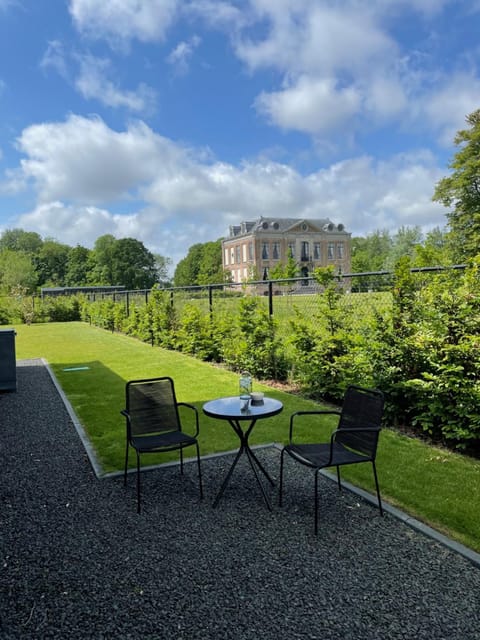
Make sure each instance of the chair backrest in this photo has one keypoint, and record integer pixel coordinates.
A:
(152, 406)
(362, 408)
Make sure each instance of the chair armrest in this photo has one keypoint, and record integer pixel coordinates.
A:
(308, 413)
(195, 410)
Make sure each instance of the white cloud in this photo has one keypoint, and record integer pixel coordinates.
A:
(73, 224)
(216, 13)
(55, 58)
(313, 106)
(81, 169)
(121, 22)
(447, 105)
(180, 56)
(339, 66)
(93, 82)
(82, 159)
(311, 38)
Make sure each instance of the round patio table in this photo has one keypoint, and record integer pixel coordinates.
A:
(242, 422)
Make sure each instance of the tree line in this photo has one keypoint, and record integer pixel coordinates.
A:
(27, 261)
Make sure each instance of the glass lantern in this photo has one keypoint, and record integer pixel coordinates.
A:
(245, 384)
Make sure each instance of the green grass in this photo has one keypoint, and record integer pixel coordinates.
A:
(436, 486)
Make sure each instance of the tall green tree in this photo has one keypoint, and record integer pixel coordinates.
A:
(434, 251)
(404, 243)
(211, 269)
(133, 265)
(17, 270)
(187, 270)
(101, 260)
(19, 240)
(51, 263)
(162, 266)
(78, 267)
(371, 253)
(460, 191)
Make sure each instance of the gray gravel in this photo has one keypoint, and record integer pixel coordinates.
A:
(77, 561)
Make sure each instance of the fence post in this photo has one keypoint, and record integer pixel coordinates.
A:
(210, 298)
(128, 304)
(270, 298)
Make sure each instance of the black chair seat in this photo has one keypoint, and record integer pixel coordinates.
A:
(318, 455)
(162, 442)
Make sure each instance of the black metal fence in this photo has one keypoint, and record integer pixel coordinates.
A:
(364, 292)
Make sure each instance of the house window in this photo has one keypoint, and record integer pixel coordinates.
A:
(276, 251)
(250, 250)
(265, 250)
(237, 254)
(226, 257)
(305, 252)
(316, 251)
(331, 251)
(232, 256)
(244, 252)
(291, 249)
(340, 250)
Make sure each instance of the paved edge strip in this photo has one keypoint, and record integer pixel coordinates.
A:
(419, 526)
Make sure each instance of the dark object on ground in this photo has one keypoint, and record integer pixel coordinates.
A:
(354, 441)
(153, 423)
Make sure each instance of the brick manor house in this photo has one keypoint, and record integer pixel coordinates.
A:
(258, 246)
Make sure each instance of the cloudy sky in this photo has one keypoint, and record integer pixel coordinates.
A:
(169, 120)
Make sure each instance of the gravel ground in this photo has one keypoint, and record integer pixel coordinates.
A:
(78, 562)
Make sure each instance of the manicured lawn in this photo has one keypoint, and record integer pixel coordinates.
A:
(438, 487)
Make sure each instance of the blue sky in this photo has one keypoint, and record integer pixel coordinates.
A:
(169, 120)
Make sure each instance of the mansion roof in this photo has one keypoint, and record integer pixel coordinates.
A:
(285, 225)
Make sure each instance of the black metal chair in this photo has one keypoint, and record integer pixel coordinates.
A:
(154, 425)
(354, 441)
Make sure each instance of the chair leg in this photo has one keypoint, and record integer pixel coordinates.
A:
(126, 466)
(280, 486)
(339, 482)
(181, 460)
(199, 472)
(316, 501)
(377, 487)
(138, 483)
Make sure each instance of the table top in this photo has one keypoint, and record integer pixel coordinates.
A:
(230, 408)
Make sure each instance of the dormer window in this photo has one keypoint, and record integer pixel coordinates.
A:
(304, 227)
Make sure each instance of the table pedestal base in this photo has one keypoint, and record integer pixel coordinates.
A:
(252, 459)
